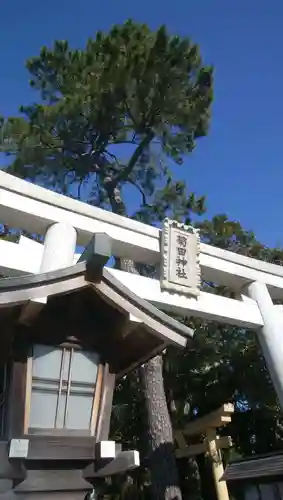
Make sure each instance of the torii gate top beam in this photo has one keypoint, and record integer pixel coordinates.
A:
(214, 420)
(34, 208)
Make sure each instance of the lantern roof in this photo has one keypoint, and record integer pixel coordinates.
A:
(86, 301)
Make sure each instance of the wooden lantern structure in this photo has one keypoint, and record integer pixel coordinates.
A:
(66, 335)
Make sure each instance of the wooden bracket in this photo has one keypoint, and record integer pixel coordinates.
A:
(124, 461)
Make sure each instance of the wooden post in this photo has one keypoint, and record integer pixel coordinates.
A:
(217, 465)
(211, 445)
(192, 450)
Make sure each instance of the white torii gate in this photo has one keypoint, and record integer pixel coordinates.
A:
(66, 223)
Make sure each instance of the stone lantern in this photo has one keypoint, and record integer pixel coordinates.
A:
(66, 336)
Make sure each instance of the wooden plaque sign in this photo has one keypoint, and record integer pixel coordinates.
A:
(180, 248)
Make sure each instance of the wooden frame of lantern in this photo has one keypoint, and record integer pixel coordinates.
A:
(211, 445)
(68, 334)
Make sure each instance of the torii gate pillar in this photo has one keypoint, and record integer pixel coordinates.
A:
(270, 335)
(59, 247)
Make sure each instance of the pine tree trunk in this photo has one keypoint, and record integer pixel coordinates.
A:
(162, 461)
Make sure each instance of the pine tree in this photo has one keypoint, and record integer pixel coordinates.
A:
(113, 115)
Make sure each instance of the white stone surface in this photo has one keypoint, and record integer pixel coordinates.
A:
(59, 247)
(34, 208)
(270, 335)
(18, 259)
(207, 306)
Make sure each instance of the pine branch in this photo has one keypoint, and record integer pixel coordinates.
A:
(124, 174)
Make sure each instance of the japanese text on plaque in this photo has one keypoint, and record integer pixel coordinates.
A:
(181, 257)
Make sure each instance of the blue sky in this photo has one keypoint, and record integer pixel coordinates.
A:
(239, 166)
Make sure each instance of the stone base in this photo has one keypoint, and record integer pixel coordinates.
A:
(47, 485)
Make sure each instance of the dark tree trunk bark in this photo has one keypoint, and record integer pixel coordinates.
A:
(162, 461)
